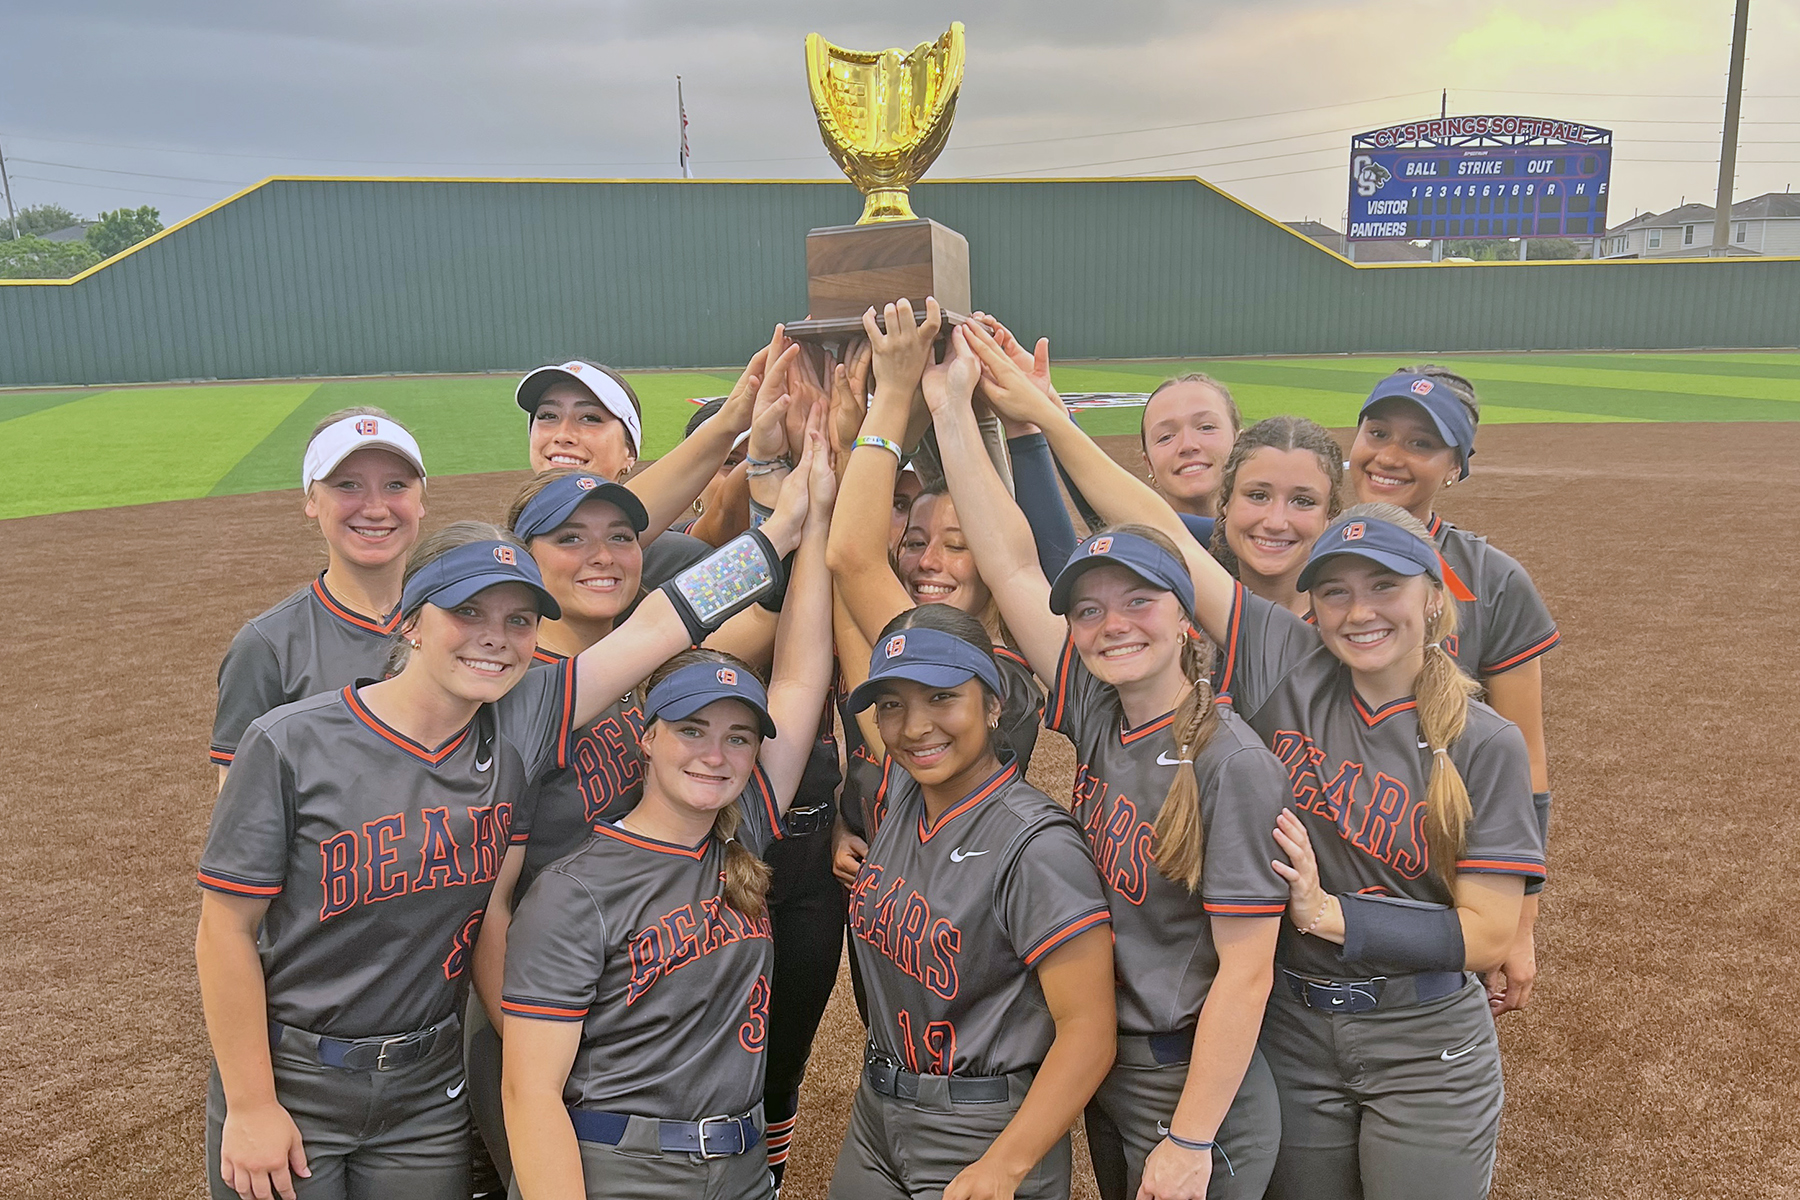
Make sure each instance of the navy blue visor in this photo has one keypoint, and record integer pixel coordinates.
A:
(928, 656)
(691, 688)
(456, 574)
(1447, 413)
(1380, 542)
(557, 501)
(1139, 555)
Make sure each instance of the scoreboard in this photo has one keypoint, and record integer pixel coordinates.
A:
(1479, 177)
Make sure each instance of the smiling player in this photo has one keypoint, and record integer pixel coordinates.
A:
(1414, 438)
(364, 482)
(1413, 839)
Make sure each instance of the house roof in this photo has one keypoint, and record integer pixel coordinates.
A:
(1769, 206)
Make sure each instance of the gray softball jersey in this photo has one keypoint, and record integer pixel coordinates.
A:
(581, 775)
(309, 643)
(950, 919)
(1507, 623)
(376, 855)
(1021, 715)
(1358, 775)
(632, 937)
(1162, 934)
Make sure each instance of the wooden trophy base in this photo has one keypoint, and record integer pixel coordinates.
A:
(850, 268)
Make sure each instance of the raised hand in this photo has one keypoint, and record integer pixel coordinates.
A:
(952, 382)
(900, 354)
(849, 398)
(807, 390)
(739, 409)
(1017, 394)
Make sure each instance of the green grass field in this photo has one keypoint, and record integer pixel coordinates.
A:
(176, 442)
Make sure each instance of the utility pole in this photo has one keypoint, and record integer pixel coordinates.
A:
(12, 218)
(1734, 103)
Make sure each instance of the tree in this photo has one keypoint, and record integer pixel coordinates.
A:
(1507, 249)
(36, 258)
(123, 229)
(41, 219)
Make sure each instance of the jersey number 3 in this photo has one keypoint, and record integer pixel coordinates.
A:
(753, 1034)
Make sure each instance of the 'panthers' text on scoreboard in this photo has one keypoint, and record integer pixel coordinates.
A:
(1480, 177)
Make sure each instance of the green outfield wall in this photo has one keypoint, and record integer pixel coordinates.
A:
(302, 277)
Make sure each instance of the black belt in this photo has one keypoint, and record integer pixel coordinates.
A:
(889, 1079)
(381, 1053)
(801, 821)
(1367, 995)
(709, 1137)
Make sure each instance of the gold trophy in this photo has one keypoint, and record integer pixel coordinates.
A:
(884, 117)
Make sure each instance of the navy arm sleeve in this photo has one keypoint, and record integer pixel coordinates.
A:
(1034, 487)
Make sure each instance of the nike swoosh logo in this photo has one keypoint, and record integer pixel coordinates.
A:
(958, 854)
(454, 1092)
(482, 766)
(1448, 1056)
(1163, 760)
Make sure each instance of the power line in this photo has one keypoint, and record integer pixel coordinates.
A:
(1616, 95)
(136, 191)
(38, 162)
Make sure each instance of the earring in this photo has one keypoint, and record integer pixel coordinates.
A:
(413, 642)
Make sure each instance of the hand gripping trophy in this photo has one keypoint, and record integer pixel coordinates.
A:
(884, 117)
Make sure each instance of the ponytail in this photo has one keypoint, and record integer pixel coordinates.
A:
(1180, 836)
(746, 876)
(1442, 694)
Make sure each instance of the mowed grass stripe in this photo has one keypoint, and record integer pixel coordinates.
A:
(1682, 382)
(18, 404)
(1652, 364)
(464, 425)
(170, 444)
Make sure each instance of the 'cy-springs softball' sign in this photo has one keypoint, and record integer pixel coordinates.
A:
(1480, 177)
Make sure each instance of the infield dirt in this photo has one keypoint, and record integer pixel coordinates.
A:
(1657, 1059)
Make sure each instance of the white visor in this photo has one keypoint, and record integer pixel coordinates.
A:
(600, 385)
(341, 439)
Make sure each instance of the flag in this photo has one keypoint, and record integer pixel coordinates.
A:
(687, 170)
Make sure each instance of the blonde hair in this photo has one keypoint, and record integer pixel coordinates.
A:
(1442, 693)
(1180, 833)
(457, 533)
(747, 877)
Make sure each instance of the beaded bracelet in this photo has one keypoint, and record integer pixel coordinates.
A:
(756, 468)
(887, 444)
(1323, 905)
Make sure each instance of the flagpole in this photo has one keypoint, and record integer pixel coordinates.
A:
(687, 170)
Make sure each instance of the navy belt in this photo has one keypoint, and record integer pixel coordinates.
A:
(709, 1137)
(891, 1079)
(381, 1053)
(801, 821)
(1367, 995)
(1155, 1049)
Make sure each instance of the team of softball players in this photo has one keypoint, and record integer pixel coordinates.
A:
(536, 842)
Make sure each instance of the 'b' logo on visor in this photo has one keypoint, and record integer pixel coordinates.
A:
(896, 645)
(368, 427)
(505, 554)
(1421, 387)
(586, 483)
(1354, 532)
(1100, 545)
(727, 676)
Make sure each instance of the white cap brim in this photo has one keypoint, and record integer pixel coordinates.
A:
(598, 383)
(340, 440)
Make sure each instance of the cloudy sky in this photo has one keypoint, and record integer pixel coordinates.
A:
(179, 103)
